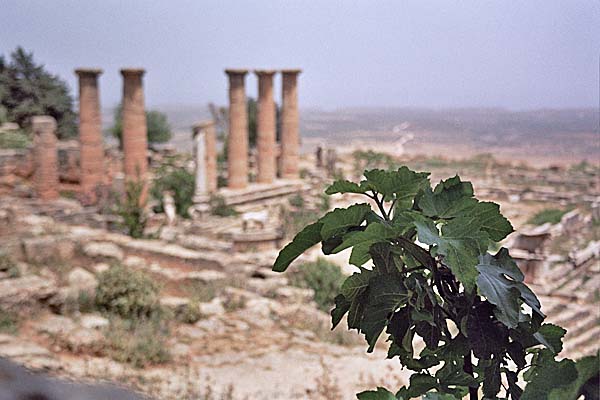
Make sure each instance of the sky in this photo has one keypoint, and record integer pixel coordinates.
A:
(471, 53)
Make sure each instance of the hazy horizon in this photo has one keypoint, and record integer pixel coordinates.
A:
(417, 54)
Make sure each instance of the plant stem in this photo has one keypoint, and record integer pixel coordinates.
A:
(468, 368)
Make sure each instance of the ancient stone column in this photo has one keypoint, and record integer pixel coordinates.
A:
(290, 136)
(91, 146)
(237, 140)
(267, 168)
(45, 157)
(135, 142)
(206, 159)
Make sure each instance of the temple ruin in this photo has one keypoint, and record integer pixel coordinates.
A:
(135, 141)
(91, 146)
(45, 157)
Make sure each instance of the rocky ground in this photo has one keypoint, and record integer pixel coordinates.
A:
(255, 336)
(255, 331)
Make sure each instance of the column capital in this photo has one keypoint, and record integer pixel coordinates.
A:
(132, 71)
(236, 71)
(265, 72)
(43, 122)
(88, 72)
(199, 126)
(291, 71)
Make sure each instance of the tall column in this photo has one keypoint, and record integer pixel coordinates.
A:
(237, 140)
(45, 157)
(290, 137)
(135, 142)
(267, 169)
(206, 159)
(90, 132)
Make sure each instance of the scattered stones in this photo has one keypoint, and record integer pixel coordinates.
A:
(25, 290)
(214, 307)
(93, 321)
(103, 250)
(295, 295)
(48, 249)
(80, 279)
(174, 303)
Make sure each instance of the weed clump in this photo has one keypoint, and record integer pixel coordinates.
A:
(322, 276)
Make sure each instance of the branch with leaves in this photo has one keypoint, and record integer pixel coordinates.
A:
(432, 277)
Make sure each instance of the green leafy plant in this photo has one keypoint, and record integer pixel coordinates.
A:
(219, 207)
(128, 293)
(131, 209)
(323, 277)
(432, 277)
(551, 215)
(177, 181)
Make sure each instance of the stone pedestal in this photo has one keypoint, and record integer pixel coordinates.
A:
(90, 133)
(45, 157)
(237, 140)
(135, 141)
(205, 143)
(267, 168)
(290, 136)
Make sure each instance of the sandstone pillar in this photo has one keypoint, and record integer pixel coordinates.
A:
(237, 140)
(135, 142)
(45, 157)
(90, 133)
(290, 137)
(206, 160)
(267, 168)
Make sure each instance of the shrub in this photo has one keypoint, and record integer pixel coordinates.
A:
(434, 277)
(139, 343)
(8, 265)
(189, 314)
(322, 276)
(551, 215)
(9, 322)
(219, 208)
(297, 200)
(14, 140)
(131, 209)
(178, 181)
(127, 293)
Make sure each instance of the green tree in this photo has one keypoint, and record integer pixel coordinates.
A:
(159, 130)
(27, 89)
(433, 277)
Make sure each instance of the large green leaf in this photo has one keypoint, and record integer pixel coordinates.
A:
(387, 293)
(304, 240)
(421, 384)
(501, 282)
(344, 186)
(356, 283)
(374, 233)
(547, 374)
(401, 185)
(342, 305)
(551, 336)
(588, 371)
(340, 219)
(492, 222)
(380, 394)
(461, 241)
(448, 199)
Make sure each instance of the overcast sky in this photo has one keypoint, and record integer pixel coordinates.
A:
(514, 54)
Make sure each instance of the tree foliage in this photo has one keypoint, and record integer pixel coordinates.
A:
(27, 89)
(433, 277)
(158, 128)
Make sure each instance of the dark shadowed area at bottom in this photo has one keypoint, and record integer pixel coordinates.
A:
(17, 383)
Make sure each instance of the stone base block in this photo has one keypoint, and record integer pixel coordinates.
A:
(263, 240)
